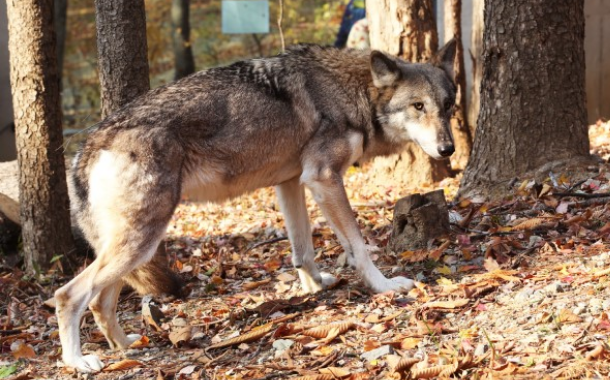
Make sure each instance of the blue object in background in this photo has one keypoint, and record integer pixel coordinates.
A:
(354, 11)
(245, 16)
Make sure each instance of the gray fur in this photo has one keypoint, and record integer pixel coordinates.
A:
(297, 119)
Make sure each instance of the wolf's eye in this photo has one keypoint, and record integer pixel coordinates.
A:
(418, 106)
(448, 106)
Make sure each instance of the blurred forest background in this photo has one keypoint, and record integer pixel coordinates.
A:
(312, 21)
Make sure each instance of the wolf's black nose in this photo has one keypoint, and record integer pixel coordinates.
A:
(446, 150)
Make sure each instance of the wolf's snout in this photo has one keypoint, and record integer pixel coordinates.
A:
(446, 150)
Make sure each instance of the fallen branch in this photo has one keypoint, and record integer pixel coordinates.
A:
(590, 202)
(271, 241)
(582, 195)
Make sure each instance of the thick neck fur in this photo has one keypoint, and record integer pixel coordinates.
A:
(352, 69)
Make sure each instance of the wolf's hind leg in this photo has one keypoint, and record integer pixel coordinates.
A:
(129, 206)
(103, 306)
(117, 258)
(291, 196)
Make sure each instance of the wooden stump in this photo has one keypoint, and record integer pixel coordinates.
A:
(418, 219)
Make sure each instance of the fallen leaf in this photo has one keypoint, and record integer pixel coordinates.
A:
(323, 331)
(567, 316)
(140, 343)
(255, 284)
(401, 364)
(180, 334)
(21, 350)
(446, 304)
(431, 372)
(316, 377)
(272, 265)
(371, 345)
(437, 253)
(255, 334)
(123, 365)
(335, 371)
(409, 343)
(187, 370)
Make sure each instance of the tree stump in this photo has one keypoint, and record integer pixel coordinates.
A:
(418, 219)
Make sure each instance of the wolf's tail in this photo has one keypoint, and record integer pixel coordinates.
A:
(155, 277)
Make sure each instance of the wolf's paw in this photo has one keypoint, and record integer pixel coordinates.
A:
(328, 280)
(311, 286)
(397, 284)
(85, 364)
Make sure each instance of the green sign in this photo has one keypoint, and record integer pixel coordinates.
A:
(245, 16)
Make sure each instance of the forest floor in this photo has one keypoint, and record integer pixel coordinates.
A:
(519, 290)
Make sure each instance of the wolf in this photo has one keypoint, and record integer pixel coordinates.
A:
(295, 120)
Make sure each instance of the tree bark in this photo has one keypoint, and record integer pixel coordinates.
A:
(533, 115)
(406, 28)
(181, 30)
(459, 121)
(122, 52)
(44, 203)
(60, 21)
(476, 55)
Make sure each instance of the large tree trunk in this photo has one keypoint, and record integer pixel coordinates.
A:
(476, 55)
(533, 115)
(122, 52)
(60, 21)
(44, 206)
(181, 30)
(459, 122)
(407, 29)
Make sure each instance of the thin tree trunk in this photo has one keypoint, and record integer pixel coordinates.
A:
(533, 117)
(459, 122)
(60, 20)
(122, 52)
(181, 30)
(407, 29)
(476, 55)
(44, 203)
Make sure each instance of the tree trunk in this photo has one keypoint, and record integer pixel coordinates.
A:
(44, 204)
(406, 28)
(60, 20)
(533, 98)
(181, 30)
(459, 121)
(476, 55)
(122, 52)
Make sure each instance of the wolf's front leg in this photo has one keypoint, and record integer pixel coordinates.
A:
(329, 192)
(291, 196)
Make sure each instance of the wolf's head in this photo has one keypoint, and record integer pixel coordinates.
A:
(415, 100)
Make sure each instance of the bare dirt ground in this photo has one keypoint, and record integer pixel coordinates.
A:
(519, 291)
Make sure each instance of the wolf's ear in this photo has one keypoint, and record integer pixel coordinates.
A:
(445, 58)
(384, 69)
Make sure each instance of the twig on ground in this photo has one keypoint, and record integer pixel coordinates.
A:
(590, 202)
(275, 375)
(584, 332)
(582, 195)
(271, 241)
